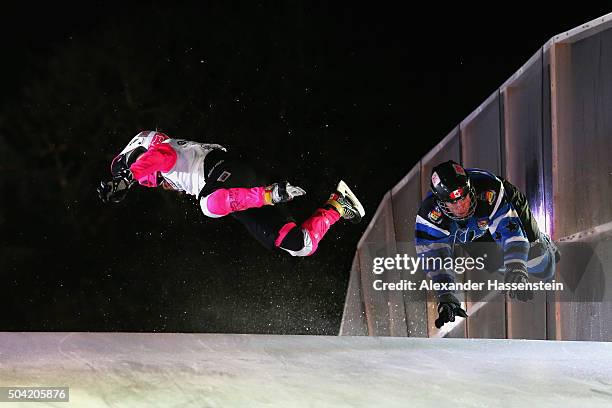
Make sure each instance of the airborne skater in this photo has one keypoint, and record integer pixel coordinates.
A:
(226, 184)
(470, 208)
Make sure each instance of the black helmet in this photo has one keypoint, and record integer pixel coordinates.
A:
(450, 183)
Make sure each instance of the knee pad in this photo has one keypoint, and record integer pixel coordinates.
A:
(541, 261)
(208, 203)
(294, 240)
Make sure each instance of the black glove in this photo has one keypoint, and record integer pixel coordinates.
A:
(116, 189)
(448, 308)
(517, 273)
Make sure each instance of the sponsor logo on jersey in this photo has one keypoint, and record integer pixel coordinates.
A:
(435, 216)
(489, 196)
(224, 176)
(158, 138)
(459, 170)
(483, 224)
(435, 179)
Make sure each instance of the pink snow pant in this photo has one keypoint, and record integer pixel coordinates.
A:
(302, 241)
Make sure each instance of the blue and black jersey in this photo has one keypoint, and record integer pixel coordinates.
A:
(501, 211)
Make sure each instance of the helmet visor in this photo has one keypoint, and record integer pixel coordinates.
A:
(461, 207)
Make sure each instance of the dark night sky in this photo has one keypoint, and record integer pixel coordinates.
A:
(315, 92)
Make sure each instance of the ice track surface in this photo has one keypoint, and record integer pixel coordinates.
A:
(217, 370)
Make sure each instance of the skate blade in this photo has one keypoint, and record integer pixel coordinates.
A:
(346, 191)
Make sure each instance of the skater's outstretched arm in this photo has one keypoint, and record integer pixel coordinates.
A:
(161, 157)
(224, 201)
(434, 243)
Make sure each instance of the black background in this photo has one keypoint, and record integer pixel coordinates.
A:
(316, 92)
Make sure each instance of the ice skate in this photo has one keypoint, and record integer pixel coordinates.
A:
(282, 193)
(346, 203)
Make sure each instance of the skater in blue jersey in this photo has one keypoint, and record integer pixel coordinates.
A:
(472, 207)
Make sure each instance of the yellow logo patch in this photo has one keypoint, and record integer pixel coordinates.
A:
(490, 196)
(435, 215)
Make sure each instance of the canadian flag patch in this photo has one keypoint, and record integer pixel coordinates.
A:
(458, 193)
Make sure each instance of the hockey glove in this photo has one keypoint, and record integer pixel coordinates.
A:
(116, 190)
(282, 192)
(517, 273)
(448, 308)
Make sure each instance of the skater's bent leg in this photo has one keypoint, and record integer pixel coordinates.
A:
(318, 225)
(294, 240)
(541, 262)
(304, 241)
(224, 201)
